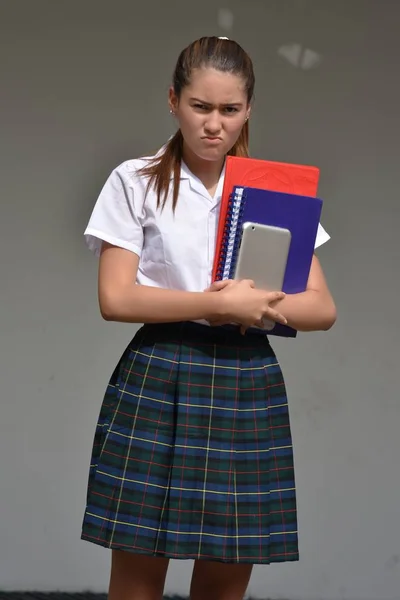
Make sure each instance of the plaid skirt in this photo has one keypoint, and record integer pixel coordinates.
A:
(192, 456)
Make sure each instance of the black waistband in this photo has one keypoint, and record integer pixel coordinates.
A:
(222, 334)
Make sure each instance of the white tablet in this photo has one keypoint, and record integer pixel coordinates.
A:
(262, 257)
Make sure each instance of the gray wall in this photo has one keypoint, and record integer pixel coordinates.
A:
(83, 87)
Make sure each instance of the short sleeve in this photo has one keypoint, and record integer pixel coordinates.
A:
(322, 236)
(117, 215)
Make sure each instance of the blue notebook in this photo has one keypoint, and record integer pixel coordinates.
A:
(299, 214)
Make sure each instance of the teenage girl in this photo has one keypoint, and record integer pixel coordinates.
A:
(192, 457)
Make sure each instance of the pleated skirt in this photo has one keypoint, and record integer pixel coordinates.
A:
(192, 455)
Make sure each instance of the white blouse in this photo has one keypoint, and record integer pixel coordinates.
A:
(176, 250)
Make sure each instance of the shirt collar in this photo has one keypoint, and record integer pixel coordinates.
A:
(195, 183)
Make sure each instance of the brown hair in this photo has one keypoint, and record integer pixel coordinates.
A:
(220, 54)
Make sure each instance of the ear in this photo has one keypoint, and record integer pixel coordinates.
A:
(248, 112)
(172, 100)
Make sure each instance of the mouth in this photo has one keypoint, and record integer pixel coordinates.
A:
(210, 138)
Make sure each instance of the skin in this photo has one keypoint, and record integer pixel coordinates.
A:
(214, 105)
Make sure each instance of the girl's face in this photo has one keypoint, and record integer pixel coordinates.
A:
(211, 112)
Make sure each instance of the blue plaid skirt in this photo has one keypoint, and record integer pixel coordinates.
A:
(192, 456)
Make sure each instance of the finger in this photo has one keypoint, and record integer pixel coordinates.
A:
(218, 285)
(277, 296)
(278, 318)
(249, 282)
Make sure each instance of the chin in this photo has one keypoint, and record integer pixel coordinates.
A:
(212, 154)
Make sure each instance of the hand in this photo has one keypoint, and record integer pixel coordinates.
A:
(217, 286)
(248, 306)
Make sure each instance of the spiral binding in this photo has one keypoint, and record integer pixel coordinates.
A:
(232, 236)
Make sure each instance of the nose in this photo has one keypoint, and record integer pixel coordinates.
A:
(212, 125)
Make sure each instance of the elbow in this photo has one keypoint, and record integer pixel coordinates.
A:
(108, 307)
(329, 317)
(120, 307)
(107, 314)
(323, 318)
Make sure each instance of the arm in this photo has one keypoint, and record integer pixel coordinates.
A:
(120, 299)
(312, 310)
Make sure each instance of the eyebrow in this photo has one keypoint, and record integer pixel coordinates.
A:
(238, 104)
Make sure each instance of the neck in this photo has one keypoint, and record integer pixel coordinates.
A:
(208, 171)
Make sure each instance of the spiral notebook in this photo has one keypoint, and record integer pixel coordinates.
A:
(299, 214)
(266, 175)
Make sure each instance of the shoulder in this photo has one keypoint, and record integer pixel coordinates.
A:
(129, 172)
(118, 214)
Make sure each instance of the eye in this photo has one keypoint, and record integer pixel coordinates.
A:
(231, 109)
(200, 106)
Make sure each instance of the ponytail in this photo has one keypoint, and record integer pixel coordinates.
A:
(241, 148)
(160, 169)
(217, 53)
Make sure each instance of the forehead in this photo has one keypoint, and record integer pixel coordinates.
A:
(216, 87)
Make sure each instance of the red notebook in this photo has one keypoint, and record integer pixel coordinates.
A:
(301, 180)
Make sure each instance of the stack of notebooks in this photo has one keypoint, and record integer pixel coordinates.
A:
(269, 193)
